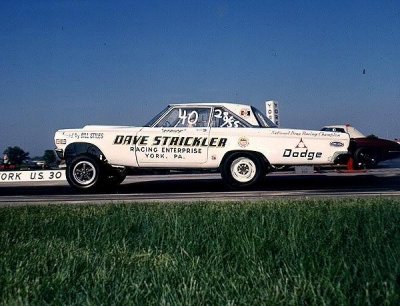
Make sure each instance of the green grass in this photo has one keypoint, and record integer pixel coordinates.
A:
(281, 253)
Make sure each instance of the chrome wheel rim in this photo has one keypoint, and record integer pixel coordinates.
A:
(243, 169)
(84, 173)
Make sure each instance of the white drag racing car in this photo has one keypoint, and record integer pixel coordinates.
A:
(238, 140)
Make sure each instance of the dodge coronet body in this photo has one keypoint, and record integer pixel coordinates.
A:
(238, 140)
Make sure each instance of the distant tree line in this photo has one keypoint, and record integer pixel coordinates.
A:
(17, 156)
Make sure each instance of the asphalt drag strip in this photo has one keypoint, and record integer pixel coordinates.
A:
(209, 186)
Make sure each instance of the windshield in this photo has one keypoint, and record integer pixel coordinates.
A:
(155, 119)
(262, 119)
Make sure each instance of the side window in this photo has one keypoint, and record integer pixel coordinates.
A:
(186, 117)
(224, 118)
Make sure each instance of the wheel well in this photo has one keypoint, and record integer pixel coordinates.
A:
(255, 153)
(83, 148)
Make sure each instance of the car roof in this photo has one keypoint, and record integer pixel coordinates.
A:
(226, 104)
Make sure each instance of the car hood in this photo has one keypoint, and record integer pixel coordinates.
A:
(105, 127)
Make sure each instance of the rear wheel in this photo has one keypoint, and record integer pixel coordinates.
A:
(84, 173)
(241, 170)
(366, 158)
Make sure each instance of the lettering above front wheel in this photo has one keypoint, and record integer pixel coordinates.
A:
(242, 170)
(84, 173)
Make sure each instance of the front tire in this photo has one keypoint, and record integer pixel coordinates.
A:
(84, 173)
(240, 170)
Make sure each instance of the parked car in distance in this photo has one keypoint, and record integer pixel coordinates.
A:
(366, 151)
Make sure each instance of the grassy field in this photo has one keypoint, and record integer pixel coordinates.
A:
(278, 253)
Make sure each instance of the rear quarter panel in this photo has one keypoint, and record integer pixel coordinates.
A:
(284, 146)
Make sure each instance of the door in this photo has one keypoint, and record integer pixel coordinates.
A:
(180, 139)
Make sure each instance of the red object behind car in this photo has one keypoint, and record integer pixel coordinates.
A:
(367, 151)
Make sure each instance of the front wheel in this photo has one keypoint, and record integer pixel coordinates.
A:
(241, 170)
(84, 173)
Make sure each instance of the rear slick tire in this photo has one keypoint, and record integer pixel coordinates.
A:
(242, 170)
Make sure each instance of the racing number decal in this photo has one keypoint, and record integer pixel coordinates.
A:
(192, 118)
(228, 120)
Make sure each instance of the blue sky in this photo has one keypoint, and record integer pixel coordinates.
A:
(64, 64)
